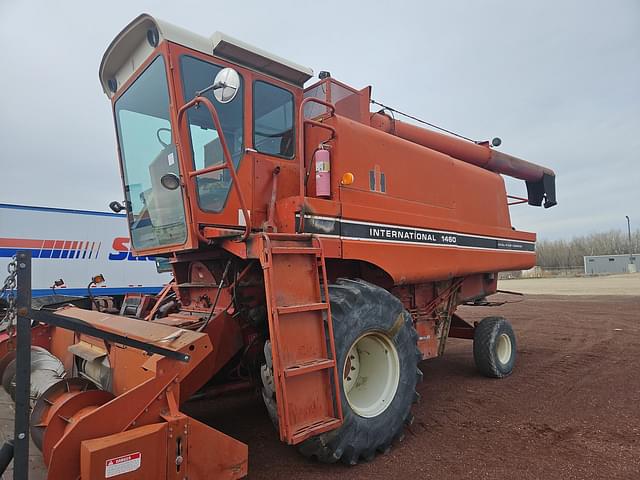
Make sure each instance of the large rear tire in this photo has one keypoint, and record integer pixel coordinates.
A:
(377, 355)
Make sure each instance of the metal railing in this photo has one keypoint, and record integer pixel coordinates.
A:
(306, 169)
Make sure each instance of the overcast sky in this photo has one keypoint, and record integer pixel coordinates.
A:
(558, 81)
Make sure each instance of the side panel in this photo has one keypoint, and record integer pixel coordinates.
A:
(76, 245)
(397, 176)
(418, 255)
(416, 213)
(137, 453)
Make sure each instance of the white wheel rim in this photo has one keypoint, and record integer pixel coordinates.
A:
(503, 348)
(371, 374)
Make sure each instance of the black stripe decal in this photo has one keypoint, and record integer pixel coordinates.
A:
(390, 233)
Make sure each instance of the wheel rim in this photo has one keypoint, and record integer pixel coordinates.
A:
(371, 374)
(503, 348)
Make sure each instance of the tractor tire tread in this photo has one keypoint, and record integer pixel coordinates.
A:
(356, 440)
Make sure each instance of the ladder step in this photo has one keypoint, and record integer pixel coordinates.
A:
(315, 428)
(307, 384)
(296, 250)
(307, 307)
(308, 367)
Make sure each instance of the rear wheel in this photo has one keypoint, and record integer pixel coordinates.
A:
(494, 347)
(371, 374)
(377, 355)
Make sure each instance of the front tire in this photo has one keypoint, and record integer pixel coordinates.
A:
(377, 355)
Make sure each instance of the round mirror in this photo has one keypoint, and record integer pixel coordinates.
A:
(226, 85)
(170, 181)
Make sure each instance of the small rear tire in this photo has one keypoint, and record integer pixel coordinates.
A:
(494, 347)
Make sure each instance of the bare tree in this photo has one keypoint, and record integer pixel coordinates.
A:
(570, 253)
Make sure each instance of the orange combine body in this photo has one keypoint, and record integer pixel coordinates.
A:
(319, 253)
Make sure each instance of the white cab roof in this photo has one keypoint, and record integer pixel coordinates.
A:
(131, 48)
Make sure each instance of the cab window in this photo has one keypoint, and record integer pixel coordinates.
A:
(206, 148)
(273, 126)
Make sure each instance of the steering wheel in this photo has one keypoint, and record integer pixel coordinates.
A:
(272, 135)
(286, 140)
(164, 145)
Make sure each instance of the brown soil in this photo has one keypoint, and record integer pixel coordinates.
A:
(570, 410)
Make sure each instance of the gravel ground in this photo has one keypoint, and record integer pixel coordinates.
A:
(627, 284)
(571, 409)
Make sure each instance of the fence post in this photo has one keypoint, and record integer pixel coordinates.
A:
(23, 366)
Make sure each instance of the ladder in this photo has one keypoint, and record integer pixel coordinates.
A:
(304, 366)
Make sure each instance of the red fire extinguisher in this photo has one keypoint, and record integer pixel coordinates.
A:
(322, 160)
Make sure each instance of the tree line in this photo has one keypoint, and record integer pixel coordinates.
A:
(570, 253)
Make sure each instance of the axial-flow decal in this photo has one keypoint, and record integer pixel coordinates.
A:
(355, 230)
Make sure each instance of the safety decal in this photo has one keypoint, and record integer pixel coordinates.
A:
(121, 465)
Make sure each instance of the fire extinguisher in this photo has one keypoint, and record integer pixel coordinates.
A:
(322, 160)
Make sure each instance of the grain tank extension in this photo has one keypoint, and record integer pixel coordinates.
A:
(319, 251)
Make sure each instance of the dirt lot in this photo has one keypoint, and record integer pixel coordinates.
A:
(571, 409)
(601, 285)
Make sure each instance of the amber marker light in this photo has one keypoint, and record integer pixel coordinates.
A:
(347, 178)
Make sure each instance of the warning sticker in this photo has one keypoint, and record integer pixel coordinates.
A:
(121, 465)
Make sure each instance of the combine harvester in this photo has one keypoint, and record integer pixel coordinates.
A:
(317, 247)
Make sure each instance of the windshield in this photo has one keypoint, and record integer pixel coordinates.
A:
(156, 214)
(213, 188)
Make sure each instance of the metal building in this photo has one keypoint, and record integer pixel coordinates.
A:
(599, 264)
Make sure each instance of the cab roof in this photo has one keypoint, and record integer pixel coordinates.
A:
(133, 45)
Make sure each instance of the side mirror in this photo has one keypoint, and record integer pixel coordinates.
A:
(226, 85)
(116, 207)
(163, 265)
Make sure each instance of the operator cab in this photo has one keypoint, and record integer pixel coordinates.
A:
(173, 151)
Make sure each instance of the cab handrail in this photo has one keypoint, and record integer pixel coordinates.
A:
(228, 161)
(301, 140)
